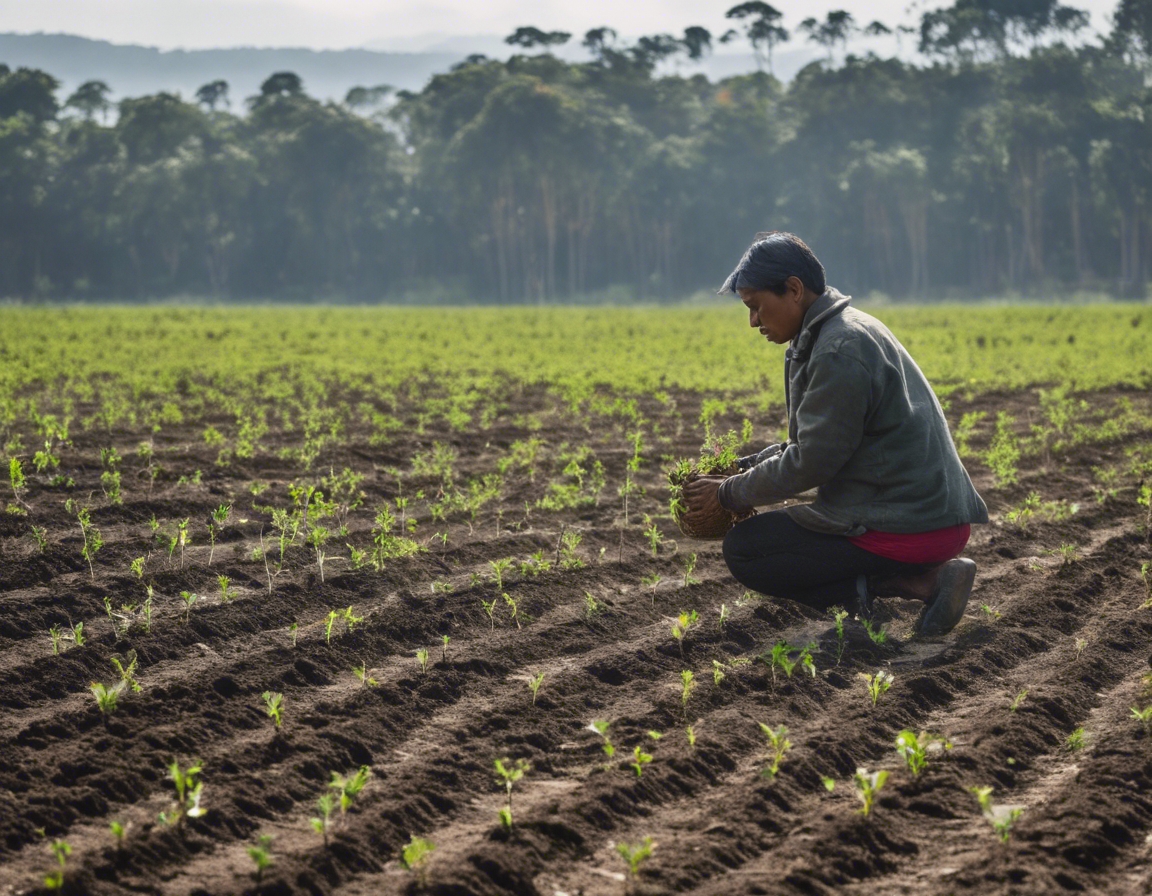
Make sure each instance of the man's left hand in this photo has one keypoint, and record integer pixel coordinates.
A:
(704, 509)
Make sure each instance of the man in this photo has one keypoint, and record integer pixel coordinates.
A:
(894, 505)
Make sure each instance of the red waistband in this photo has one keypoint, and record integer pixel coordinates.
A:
(937, 546)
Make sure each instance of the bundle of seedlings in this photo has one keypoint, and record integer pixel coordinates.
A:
(718, 457)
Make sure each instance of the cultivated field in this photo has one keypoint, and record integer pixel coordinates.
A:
(255, 503)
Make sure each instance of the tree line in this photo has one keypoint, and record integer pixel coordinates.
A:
(1016, 157)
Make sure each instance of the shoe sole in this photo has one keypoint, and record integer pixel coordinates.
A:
(950, 600)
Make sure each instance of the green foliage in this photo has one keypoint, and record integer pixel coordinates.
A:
(60, 851)
(508, 773)
(188, 793)
(1003, 454)
(1144, 717)
(639, 760)
(680, 627)
(260, 853)
(635, 854)
(416, 852)
(1075, 741)
(839, 614)
(868, 784)
(1002, 818)
(914, 748)
(106, 697)
(272, 703)
(778, 745)
(534, 682)
(600, 727)
(348, 788)
(878, 684)
(781, 657)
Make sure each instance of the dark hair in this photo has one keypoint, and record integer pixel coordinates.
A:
(771, 260)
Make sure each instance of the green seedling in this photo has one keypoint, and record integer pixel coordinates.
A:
(566, 557)
(92, 540)
(829, 783)
(1018, 700)
(108, 610)
(600, 727)
(534, 682)
(591, 605)
(687, 684)
(119, 831)
(1144, 717)
(182, 538)
(499, 567)
(444, 639)
(294, 631)
(1075, 740)
(1002, 818)
(416, 853)
(635, 854)
(652, 533)
(868, 784)
(878, 635)
(691, 734)
(351, 619)
(272, 702)
(226, 591)
(137, 567)
(717, 672)
(215, 525)
(1146, 578)
(515, 605)
(878, 684)
(40, 536)
(78, 634)
(323, 822)
(439, 586)
(349, 788)
(778, 745)
(422, 659)
(188, 792)
(914, 748)
(1081, 643)
(839, 614)
(652, 581)
(261, 855)
(329, 622)
(56, 635)
(106, 697)
(61, 850)
(681, 625)
(490, 609)
(990, 612)
(361, 672)
(781, 658)
(723, 619)
(508, 773)
(127, 672)
(189, 598)
(689, 563)
(19, 485)
(639, 760)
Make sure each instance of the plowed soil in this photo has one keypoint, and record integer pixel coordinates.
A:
(1068, 629)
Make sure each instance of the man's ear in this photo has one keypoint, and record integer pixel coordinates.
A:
(795, 288)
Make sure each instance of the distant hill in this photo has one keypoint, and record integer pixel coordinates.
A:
(328, 74)
(134, 70)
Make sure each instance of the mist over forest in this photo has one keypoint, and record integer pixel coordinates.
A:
(1015, 160)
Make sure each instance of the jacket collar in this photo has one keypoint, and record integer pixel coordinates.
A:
(831, 303)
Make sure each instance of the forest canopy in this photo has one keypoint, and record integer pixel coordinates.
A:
(1016, 157)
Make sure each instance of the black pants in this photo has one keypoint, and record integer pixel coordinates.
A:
(771, 554)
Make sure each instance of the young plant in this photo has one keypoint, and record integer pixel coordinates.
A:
(691, 734)
(1075, 741)
(349, 788)
(329, 622)
(508, 773)
(878, 635)
(106, 697)
(1144, 717)
(444, 639)
(635, 854)
(778, 745)
(215, 525)
(534, 682)
(781, 658)
(188, 791)
(261, 855)
(137, 567)
(361, 672)
(119, 831)
(189, 598)
(566, 556)
(322, 823)
(914, 748)
(40, 536)
(61, 850)
(600, 727)
(56, 635)
(515, 605)
(689, 563)
(19, 486)
(717, 672)
(839, 614)
(490, 609)
(687, 684)
(182, 538)
(1080, 644)
(499, 567)
(226, 592)
(652, 533)
(722, 620)
(990, 612)
(416, 853)
(878, 684)
(591, 605)
(272, 702)
(681, 625)
(652, 581)
(92, 540)
(422, 659)
(127, 672)
(1018, 700)
(1002, 818)
(639, 759)
(868, 784)
(78, 634)
(294, 631)
(1146, 578)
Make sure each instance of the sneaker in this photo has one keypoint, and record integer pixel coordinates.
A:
(949, 598)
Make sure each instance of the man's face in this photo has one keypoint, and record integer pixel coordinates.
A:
(777, 317)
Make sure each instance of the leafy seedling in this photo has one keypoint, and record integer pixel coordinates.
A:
(1081, 643)
(422, 659)
(1018, 700)
(990, 612)
(260, 853)
(778, 745)
(329, 622)
(490, 609)
(652, 533)
(591, 605)
(681, 625)
(361, 672)
(687, 685)
(878, 684)
(515, 605)
(914, 748)
(508, 773)
(415, 854)
(272, 703)
(1002, 818)
(189, 599)
(690, 732)
(351, 620)
(137, 567)
(839, 614)
(119, 831)
(56, 635)
(499, 567)
(78, 634)
(878, 635)
(689, 563)
(226, 592)
(1144, 717)
(1075, 741)
(600, 727)
(781, 658)
(639, 759)
(215, 525)
(106, 697)
(322, 823)
(444, 639)
(534, 682)
(188, 791)
(717, 672)
(635, 854)
(61, 850)
(127, 672)
(868, 784)
(294, 630)
(829, 783)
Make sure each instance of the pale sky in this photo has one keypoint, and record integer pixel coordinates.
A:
(407, 24)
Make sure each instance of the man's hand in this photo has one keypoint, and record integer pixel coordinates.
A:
(704, 510)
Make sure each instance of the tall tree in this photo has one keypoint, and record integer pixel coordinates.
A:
(90, 99)
(529, 37)
(212, 93)
(762, 29)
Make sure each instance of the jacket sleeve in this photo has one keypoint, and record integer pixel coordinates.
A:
(749, 461)
(829, 429)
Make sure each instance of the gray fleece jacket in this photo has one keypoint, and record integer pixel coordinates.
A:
(864, 429)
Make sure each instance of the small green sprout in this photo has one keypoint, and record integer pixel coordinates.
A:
(652, 581)
(599, 726)
(439, 586)
(61, 850)
(349, 788)
(534, 682)
(591, 605)
(294, 630)
(639, 759)
(878, 635)
(1018, 700)
(829, 783)
(78, 634)
(781, 658)
(127, 672)
(652, 533)
(839, 614)
(189, 599)
(1002, 818)
(1081, 643)
(868, 784)
(188, 790)
(351, 619)
(878, 684)
(687, 684)
(717, 672)
(680, 627)
(106, 697)
(914, 748)
(361, 672)
(689, 568)
(322, 823)
(634, 855)
(499, 567)
(515, 605)
(416, 853)
(1145, 577)
(508, 773)
(226, 592)
(990, 612)
(490, 609)
(137, 567)
(444, 639)
(329, 622)
(56, 635)
(691, 734)
(119, 832)
(422, 659)
(261, 855)
(1075, 740)
(778, 745)
(1144, 717)
(218, 521)
(723, 618)
(40, 536)
(272, 702)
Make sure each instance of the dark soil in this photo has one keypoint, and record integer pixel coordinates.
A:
(1071, 631)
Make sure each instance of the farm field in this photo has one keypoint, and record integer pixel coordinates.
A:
(489, 487)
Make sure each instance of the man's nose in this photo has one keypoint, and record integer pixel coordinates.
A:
(753, 318)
